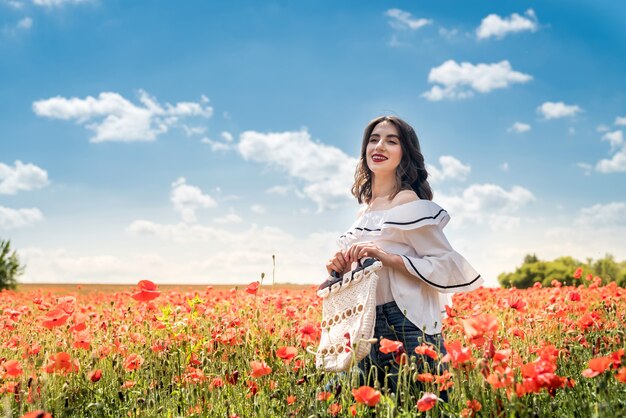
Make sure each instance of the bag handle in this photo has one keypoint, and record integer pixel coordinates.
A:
(336, 277)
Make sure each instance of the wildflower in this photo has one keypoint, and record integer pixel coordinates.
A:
(389, 346)
(260, 368)
(621, 375)
(13, 368)
(147, 291)
(427, 350)
(573, 295)
(253, 288)
(425, 377)
(477, 326)
(37, 414)
(95, 375)
(324, 396)
(61, 362)
(366, 395)
(286, 353)
(291, 399)
(428, 401)
(133, 362)
(597, 366)
(578, 273)
(457, 354)
(334, 409)
(55, 318)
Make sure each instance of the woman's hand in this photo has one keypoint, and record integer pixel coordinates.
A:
(338, 263)
(366, 249)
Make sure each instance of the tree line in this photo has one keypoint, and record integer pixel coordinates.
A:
(562, 270)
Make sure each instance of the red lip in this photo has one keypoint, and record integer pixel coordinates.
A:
(379, 155)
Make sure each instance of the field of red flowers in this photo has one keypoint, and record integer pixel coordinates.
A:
(143, 352)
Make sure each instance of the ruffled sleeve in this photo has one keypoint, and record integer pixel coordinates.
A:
(431, 259)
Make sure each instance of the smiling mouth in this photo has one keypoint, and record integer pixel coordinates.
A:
(378, 158)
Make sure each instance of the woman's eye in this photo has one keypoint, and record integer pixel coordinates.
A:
(393, 142)
(373, 140)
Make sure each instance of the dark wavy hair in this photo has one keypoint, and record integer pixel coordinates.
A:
(411, 174)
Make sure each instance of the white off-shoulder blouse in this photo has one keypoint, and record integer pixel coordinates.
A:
(414, 231)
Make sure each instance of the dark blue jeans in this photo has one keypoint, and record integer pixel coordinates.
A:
(391, 323)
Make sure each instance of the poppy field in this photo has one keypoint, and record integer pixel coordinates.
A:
(246, 352)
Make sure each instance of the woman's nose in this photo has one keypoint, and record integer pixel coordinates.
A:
(379, 145)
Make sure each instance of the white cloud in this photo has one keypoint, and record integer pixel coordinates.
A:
(451, 168)
(448, 33)
(586, 168)
(260, 209)
(404, 20)
(555, 110)
(227, 136)
(114, 118)
(193, 130)
(602, 128)
(188, 199)
(615, 138)
(278, 190)
(601, 215)
(519, 127)
(498, 27)
(19, 218)
(216, 146)
(58, 3)
(460, 81)
(25, 23)
(224, 257)
(21, 177)
(486, 202)
(230, 218)
(504, 166)
(617, 163)
(620, 120)
(327, 172)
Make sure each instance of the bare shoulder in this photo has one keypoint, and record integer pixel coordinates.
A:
(404, 196)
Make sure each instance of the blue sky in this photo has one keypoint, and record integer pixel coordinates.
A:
(190, 141)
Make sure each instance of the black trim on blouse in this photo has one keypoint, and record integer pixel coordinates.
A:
(436, 285)
(395, 223)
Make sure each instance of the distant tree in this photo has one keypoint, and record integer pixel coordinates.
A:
(562, 269)
(10, 266)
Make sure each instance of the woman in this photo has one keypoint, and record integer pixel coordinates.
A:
(401, 227)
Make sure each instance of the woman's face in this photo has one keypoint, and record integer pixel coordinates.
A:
(383, 151)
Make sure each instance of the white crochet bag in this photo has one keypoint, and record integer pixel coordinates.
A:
(349, 316)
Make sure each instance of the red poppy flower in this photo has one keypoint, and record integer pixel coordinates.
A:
(147, 291)
(61, 362)
(253, 288)
(133, 362)
(427, 350)
(324, 396)
(260, 368)
(457, 354)
(598, 366)
(13, 368)
(55, 318)
(578, 273)
(37, 414)
(286, 353)
(95, 375)
(389, 346)
(477, 326)
(334, 409)
(291, 399)
(428, 401)
(366, 395)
